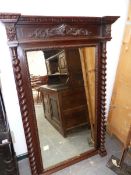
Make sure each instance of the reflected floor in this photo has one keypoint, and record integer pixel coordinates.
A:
(54, 147)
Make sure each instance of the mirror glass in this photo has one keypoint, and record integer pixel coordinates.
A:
(63, 89)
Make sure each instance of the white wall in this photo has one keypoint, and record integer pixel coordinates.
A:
(36, 63)
(57, 8)
(10, 95)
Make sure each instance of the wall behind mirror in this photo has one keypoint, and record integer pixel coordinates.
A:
(63, 89)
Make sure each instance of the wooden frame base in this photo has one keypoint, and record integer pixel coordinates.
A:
(70, 162)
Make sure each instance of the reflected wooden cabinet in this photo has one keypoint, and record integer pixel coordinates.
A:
(74, 110)
(62, 110)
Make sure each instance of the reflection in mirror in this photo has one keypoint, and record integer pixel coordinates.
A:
(63, 88)
(87, 56)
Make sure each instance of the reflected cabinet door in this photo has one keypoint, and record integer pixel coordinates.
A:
(46, 105)
(54, 108)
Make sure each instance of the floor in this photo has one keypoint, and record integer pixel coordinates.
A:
(53, 143)
(95, 165)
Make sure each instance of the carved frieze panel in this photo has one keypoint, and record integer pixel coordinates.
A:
(60, 30)
(45, 32)
(55, 27)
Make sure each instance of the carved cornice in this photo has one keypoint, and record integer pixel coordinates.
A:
(14, 17)
(9, 17)
(60, 30)
(109, 19)
(60, 19)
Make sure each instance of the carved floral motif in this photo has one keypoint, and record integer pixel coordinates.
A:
(107, 30)
(60, 30)
(11, 32)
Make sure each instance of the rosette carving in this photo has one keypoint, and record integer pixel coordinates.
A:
(11, 32)
(107, 30)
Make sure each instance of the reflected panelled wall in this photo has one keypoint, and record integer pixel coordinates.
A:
(88, 56)
(36, 32)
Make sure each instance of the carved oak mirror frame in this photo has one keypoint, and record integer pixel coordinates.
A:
(37, 32)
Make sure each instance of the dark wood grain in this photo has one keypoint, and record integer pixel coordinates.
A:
(41, 33)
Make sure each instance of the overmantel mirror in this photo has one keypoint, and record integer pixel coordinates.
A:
(59, 65)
